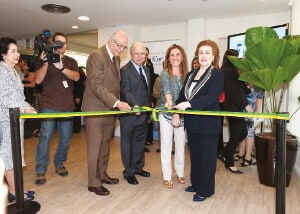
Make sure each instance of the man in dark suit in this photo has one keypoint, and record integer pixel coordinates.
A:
(136, 91)
(102, 94)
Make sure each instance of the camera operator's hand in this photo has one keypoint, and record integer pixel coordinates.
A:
(59, 65)
(43, 57)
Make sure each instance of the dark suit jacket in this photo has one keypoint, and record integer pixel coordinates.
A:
(206, 99)
(103, 82)
(133, 92)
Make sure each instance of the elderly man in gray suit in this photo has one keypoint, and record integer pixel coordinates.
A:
(102, 94)
(136, 91)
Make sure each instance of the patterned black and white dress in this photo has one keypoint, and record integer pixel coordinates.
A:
(11, 96)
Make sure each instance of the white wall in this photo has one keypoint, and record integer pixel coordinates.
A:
(294, 92)
(221, 28)
(132, 32)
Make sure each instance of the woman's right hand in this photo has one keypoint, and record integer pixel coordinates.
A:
(30, 110)
(183, 105)
(169, 105)
(249, 108)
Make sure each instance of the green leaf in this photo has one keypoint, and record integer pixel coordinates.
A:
(265, 79)
(241, 64)
(269, 62)
(257, 34)
(291, 67)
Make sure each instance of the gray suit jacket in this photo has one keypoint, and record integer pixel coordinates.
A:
(134, 93)
(102, 83)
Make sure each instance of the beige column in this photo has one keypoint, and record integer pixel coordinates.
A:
(294, 92)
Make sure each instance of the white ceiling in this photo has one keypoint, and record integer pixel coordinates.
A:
(25, 18)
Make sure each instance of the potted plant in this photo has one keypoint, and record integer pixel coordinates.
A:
(270, 63)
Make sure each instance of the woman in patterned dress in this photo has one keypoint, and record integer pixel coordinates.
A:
(11, 96)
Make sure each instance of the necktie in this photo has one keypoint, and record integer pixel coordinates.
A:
(114, 62)
(115, 65)
(143, 78)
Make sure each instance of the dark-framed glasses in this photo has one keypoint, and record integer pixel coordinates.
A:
(120, 45)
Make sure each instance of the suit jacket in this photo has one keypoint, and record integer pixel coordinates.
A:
(102, 83)
(205, 98)
(134, 93)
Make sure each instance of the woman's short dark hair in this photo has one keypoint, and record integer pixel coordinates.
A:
(226, 63)
(4, 43)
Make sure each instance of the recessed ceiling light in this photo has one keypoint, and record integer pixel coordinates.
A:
(83, 18)
(55, 8)
(75, 27)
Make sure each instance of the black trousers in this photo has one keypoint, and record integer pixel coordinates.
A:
(203, 152)
(237, 132)
(149, 137)
(77, 120)
(133, 138)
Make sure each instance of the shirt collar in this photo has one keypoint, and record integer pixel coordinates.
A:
(108, 51)
(137, 66)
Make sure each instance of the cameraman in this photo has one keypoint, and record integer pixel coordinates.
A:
(57, 96)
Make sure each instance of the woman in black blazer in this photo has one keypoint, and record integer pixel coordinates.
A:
(201, 91)
(235, 100)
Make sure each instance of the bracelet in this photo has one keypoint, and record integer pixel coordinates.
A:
(63, 68)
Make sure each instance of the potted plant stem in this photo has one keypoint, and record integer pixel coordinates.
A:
(270, 63)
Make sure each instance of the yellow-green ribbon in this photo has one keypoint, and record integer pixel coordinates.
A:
(232, 114)
(85, 114)
(155, 112)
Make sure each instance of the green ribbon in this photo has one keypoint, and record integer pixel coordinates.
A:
(155, 112)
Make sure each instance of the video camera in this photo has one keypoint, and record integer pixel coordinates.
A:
(42, 43)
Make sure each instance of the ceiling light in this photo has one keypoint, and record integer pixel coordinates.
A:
(83, 18)
(55, 8)
(75, 27)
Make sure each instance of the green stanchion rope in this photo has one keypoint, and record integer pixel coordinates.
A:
(155, 112)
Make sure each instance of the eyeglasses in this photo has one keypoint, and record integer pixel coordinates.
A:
(120, 45)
